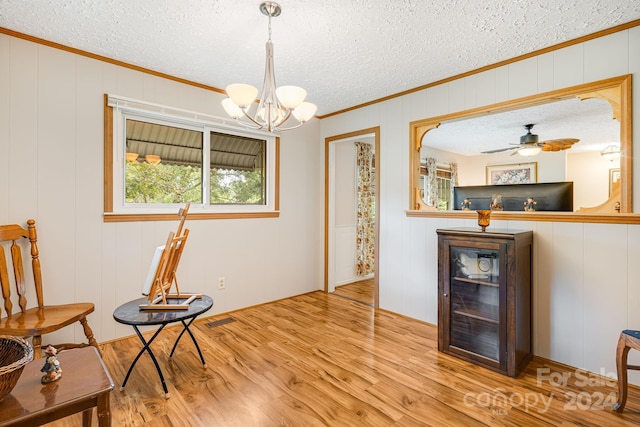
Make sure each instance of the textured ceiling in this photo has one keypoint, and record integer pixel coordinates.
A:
(591, 121)
(344, 52)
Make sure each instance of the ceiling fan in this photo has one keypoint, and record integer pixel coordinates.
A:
(529, 145)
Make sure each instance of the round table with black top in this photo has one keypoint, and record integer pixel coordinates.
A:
(131, 314)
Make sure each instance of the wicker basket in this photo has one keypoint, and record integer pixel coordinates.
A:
(14, 354)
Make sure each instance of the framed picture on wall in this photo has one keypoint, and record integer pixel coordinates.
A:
(614, 178)
(518, 173)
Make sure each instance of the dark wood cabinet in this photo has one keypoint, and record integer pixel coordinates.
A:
(484, 297)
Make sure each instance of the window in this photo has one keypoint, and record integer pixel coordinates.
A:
(442, 192)
(163, 164)
(160, 158)
(237, 169)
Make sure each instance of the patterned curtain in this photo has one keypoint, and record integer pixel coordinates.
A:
(365, 223)
(454, 183)
(431, 198)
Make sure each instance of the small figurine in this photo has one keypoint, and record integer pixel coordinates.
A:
(496, 202)
(466, 204)
(51, 366)
(530, 205)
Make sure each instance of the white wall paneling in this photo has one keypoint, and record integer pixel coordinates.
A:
(606, 56)
(545, 72)
(5, 130)
(486, 82)
(523, 78)
(568, 66)
(345, 249)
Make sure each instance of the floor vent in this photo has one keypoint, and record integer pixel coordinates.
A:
(220, 322)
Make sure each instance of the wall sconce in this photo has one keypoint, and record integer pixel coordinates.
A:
(611, 153)
(132, 157)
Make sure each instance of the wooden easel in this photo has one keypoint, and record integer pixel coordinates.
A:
(165, 275)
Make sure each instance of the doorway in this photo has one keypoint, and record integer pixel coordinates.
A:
(341, 198)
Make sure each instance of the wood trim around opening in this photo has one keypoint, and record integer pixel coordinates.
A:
(418, 128)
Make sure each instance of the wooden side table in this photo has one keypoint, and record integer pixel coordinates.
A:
(85, 383)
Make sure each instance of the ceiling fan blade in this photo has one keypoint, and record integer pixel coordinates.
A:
(558, 144)
(499, 150)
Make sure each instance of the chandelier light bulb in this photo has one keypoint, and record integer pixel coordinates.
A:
(231, 108)
(277, 114)
(290, 96)
(242, 94)
(304, 111)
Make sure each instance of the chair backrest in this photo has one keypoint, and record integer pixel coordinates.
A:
(12, 265)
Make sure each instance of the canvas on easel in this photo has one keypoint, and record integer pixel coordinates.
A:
(165, 264)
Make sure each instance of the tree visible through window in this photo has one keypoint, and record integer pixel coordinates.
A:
(237, 170)
(162, 183)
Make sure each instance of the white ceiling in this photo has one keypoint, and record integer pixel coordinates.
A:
(344, 52)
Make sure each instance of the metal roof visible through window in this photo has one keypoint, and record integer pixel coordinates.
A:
(183, 146)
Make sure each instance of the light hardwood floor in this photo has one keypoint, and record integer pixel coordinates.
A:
(319, 359)
(361, 291)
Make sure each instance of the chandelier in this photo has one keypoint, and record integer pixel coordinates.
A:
(276, 105)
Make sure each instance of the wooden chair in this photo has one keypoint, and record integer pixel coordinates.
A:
(41, 319)
(628, 339)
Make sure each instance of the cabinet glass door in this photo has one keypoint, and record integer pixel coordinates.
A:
(474, 296)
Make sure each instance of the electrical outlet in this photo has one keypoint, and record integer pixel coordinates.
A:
(220, 282)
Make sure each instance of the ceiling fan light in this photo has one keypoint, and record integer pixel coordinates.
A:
(242, 94)
(304, 111)
(529, 151)
(290, 96)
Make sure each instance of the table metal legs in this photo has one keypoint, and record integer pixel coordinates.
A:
(146, 347)
(186, 328)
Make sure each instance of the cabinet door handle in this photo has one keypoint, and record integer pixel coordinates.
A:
(445, 295)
